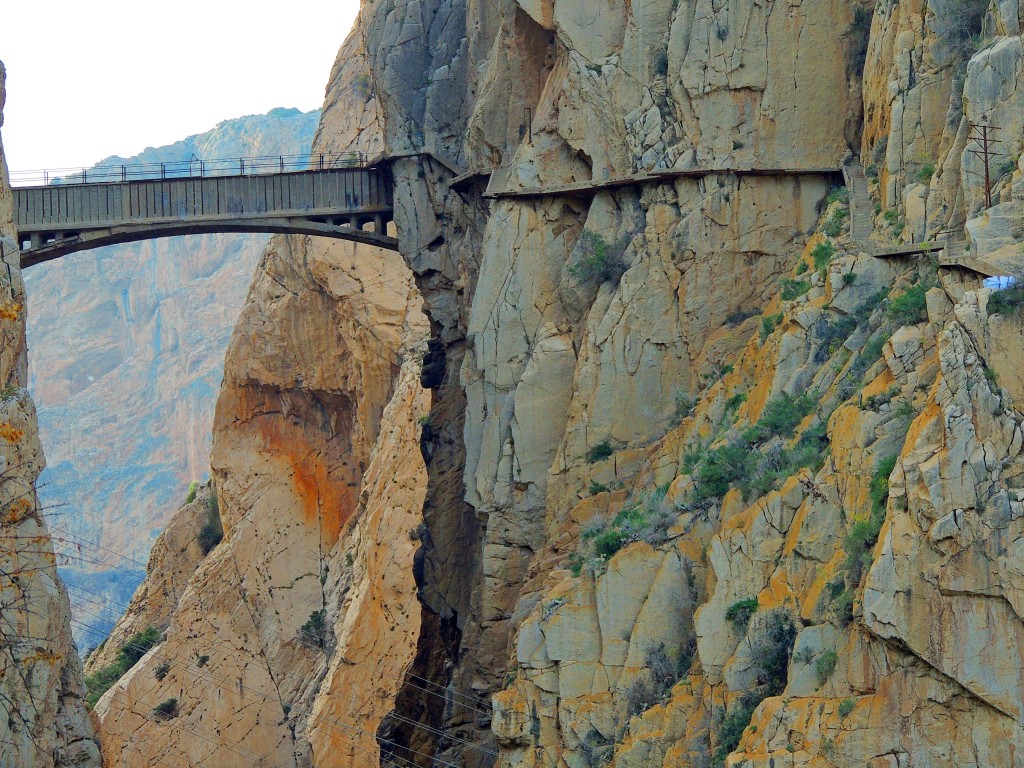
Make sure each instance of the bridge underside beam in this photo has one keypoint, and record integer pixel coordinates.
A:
(83, 240)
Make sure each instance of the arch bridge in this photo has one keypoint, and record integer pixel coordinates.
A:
(338, 196)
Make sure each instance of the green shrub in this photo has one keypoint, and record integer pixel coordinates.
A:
(600, 261)
(722, 467)
(843, 605)
(910, 307)
(771, 650)
(768, 325)
(891, 216)
(735, 401)
(100, 681)
(781, 416)
(193, 489)
(692, 456)
(201, 660)
(162, 670)
(836, 223)
(166, 709)
(314, 632)
(1006, 167)
(880, 484)
(925, 173)
(576, 561)
(735, 723)
(794, 289)
(596, 488)
(138, 645)
(600, 452)
(607, 543)
(825, 666)
(1006, 301)
(740, 612)
(822, 254)
(849, 278)
(837, 195)
(846, 707)
(831, 331)
(779, 463)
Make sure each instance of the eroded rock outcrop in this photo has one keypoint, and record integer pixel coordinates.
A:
(289, 642)
(45, 722)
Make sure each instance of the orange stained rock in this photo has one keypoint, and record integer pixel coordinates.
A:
(879, 385)
(822, 577)
(10, 311)
(329, 495)
(17, 511)
(779, 593)
(10, 434)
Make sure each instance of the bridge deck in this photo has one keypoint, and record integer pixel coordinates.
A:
(58, 219)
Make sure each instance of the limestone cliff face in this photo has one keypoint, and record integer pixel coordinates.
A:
(706, 484)
(288, 644)
(127, 355)
(703, 482)
(45, 722)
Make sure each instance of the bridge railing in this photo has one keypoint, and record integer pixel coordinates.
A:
(193, 168)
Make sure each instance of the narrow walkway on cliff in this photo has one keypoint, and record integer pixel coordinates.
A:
(339, 196)
(951, 252)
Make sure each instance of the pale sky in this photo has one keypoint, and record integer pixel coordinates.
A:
(89, 79)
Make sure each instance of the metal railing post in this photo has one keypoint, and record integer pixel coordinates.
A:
(280, 160)
(124, 173)
(241, 166)
(85, 176)
(321, 161)
(163, 171)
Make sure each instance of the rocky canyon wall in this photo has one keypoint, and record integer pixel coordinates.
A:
(44, 722)
(700, 480)
(735, 491)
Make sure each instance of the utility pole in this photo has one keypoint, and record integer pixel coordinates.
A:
(982, 133)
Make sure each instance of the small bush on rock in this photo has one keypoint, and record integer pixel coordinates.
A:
(314, 632)
(910, 307)
(166, 709)
(162, 670)
(600, 261)
(600, 452)
(739, 613)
